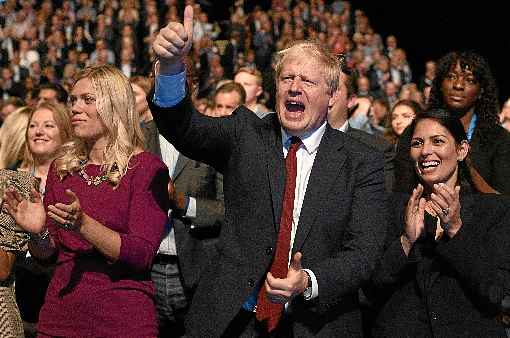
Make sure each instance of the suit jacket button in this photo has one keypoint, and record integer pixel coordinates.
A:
(434, 316)
(251, 283)
(269, 251)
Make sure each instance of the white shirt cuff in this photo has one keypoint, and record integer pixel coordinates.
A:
(315, 285)
(170, 89)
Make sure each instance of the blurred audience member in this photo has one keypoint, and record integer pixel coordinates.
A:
(400, 117)
(227, 98)
(363, 85)
(338, 119)
(51, 92)
(9, 106)
(390, 93)
(251, 80)
(49, 127)
(429, 75)
(391, 45)
(141, 87)
(13, 246)
(378, 115)
(504, 115)
(12, 138)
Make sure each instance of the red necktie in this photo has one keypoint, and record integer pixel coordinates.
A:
(266, 310)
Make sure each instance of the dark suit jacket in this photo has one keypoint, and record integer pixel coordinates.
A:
(380, 144)
(491, 159)
(341, 226)
(452, 288)
(195, 238)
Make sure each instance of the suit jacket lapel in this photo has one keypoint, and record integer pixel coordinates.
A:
(275, 167)
(325, 171)
(182, 161)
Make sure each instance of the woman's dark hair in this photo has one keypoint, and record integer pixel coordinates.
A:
(486, 106)
(455, 127)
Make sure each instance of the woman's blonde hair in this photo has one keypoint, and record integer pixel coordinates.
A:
(12, 137)
(63, 121)
(115, 104)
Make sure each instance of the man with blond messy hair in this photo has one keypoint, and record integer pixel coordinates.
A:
(298, 241)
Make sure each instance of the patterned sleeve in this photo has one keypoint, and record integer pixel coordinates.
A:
(12, 238)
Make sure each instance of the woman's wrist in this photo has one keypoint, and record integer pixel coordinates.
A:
(73, 225)
(406, 244)
(453, 228)
(41, 236)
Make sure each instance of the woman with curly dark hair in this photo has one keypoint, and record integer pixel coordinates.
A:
(464, 86)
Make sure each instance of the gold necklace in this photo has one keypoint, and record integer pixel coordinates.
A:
(95, 180)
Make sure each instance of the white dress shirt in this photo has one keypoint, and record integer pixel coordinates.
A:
(169, 155)
(305, 158)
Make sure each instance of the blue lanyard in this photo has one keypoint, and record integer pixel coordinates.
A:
(471, 128)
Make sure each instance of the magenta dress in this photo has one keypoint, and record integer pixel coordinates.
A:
(89, 296)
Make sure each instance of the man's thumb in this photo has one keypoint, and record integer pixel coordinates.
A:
(188, 22)
(295, 263)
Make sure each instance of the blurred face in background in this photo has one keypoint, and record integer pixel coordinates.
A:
(141, 104)
(401, 117)
(6, 110)
(47, 94)
(43, 134)
(225, 103)
(251, 86)
(505, 112)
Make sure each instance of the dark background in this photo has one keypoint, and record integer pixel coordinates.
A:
(428, 29)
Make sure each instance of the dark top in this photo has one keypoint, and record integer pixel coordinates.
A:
(380, 144)
(452, 287)
(88, 295)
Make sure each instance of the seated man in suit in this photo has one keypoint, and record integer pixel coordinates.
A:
(338, 119)
(297, 242)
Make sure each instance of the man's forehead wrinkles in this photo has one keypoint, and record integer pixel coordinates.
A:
(303, 70)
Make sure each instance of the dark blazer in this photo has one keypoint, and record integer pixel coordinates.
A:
(491, 159)
(380, 144)
(195, 239)
(450, 288)
(341, 226)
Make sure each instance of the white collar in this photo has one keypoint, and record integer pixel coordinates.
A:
(311, 141)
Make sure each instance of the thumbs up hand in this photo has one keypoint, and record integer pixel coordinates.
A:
(173, 43)
(282, 290)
